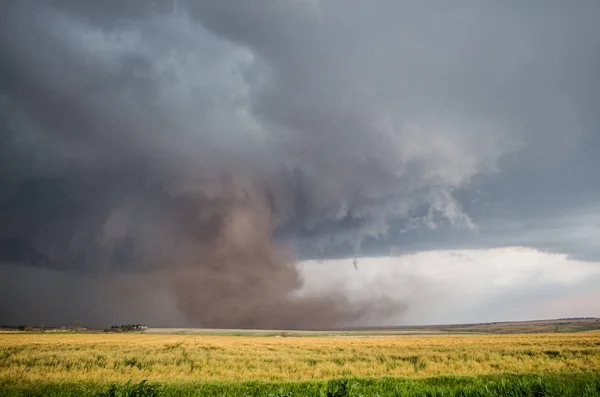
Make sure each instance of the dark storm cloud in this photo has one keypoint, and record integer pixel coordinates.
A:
(140, 137)
(509, 79)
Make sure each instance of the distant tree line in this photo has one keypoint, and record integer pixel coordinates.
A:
(126, 328)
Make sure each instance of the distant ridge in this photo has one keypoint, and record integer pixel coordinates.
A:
(561, 325)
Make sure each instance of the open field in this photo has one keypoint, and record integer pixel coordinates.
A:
(178, 360)
(175, 358)
(508, 327)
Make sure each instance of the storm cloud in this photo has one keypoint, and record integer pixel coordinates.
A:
(208, 145)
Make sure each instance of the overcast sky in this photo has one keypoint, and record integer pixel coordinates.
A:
(169, 161)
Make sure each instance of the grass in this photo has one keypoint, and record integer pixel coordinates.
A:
(587, 385)
(175, 358)
(188, 365)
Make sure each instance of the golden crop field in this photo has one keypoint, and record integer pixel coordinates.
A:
(177, 358)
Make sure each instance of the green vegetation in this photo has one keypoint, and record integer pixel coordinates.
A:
(505, 385)
(127, 328)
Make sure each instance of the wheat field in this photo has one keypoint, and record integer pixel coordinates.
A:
(184, 358)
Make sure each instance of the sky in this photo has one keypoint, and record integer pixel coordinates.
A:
(224, 164)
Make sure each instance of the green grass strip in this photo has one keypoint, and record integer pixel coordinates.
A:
(585, 385)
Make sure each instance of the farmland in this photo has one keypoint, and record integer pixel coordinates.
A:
(184, 363)
(508, 327)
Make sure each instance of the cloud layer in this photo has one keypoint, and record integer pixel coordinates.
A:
(435, 287)
(466, 286)
(199, 142)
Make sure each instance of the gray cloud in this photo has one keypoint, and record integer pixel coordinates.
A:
(134, 136)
